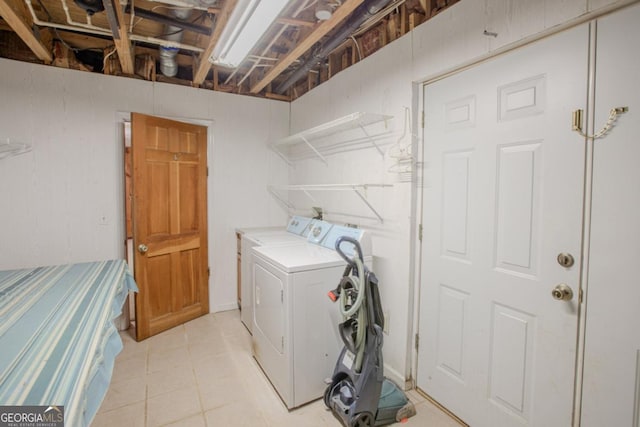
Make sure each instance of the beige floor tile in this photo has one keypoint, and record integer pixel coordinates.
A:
(235, 414)
(203, 374)
(164, 360)
(313, 414)
(173, 338)
(194, 421)
(415, 397)
(123, 393)
(200, 352)
(126, 416)
(221, 392)
(173, 406)
(215, 367)
(129, 368)
(176, 378)
(132, 348)
(429, 415)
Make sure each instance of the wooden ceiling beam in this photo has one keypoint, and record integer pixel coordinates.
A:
(203, 64)
(321, 30)
(118, 25)
(21, 25)
(295, 22)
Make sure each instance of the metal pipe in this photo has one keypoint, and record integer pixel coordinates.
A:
(164, 19)
(103, 32)
(359, 16)
(70, 21)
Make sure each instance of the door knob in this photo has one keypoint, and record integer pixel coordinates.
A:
(562, 292)
(142, 248)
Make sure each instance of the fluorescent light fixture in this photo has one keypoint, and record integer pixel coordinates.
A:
(248, 22)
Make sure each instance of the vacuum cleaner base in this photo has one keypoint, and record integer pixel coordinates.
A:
(393, 406)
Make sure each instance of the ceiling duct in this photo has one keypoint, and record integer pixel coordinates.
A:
(168, 64)
(365, 11)
(194, 4)
(90, 6)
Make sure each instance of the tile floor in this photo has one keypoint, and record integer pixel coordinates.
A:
(202, 374)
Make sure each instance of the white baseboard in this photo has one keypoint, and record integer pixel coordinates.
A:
(224, 307)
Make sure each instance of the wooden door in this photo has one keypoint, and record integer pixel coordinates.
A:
(611, 383)
(169, 223)
(504, 180)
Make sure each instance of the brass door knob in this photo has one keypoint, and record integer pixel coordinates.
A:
(562, 292)
(142, 248)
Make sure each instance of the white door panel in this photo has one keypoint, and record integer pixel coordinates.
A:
(611, 388)
(504, 193)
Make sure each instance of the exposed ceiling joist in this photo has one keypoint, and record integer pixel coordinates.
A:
(295, 22)
(321, 30)
(19, 23)
(204, 65)
(299, 43)
(120, 35)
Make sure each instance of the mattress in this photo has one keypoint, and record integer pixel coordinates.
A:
(57, 335)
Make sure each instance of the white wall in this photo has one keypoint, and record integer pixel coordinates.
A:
(382, 83)
(54, 198)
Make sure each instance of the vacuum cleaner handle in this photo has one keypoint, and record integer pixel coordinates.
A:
(343, 255)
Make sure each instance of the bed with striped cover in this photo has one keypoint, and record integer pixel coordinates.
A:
(58, 341)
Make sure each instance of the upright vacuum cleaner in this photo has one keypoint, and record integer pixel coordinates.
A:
(359, 395)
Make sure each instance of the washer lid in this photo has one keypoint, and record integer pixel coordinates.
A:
(277, 239)
(247, 231)
(295, 258)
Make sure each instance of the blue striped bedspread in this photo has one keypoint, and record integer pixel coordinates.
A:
(58, 341)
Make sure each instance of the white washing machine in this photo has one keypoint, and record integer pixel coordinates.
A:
(295, 331)
(295, 233)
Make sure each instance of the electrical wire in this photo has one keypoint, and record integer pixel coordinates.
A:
(104, 60)
(357, 48)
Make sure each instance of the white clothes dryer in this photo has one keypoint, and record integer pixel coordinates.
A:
(295, 331)
(295, 233)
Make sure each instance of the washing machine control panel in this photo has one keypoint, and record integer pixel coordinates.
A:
(318, 232)
(349, 249)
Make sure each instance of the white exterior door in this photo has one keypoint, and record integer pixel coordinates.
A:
(503, 196)
(611, 386)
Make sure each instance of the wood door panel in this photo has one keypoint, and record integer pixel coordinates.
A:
(170, 220)
(189, 267)
(189, 221)
(166, 245)
(158, 138)
(158, 279)
(158, 220)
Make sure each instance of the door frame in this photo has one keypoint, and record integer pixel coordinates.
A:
(125, 116)
(418, 98)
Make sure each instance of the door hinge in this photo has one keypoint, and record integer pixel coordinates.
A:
(281, 295)
(420, 232)
(580, 296)
(417, 341)
(208, 272)
(422, 119)
(207, 170)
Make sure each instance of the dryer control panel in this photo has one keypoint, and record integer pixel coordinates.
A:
(298, 225)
